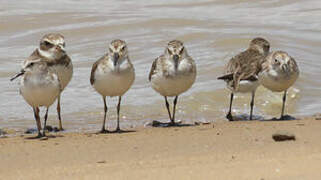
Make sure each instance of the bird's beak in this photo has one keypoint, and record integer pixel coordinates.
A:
(285, 67)
(17, 75)
(61, 48)
(116, 57)
(176, 58)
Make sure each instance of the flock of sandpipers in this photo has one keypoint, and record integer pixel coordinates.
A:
(49, 69)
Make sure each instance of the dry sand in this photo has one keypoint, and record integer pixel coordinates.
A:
(223, 151)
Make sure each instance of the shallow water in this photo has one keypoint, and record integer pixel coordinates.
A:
(213, 31)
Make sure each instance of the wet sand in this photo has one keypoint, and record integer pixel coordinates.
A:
(225, 150)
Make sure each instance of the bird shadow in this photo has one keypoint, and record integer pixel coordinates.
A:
(168, 124)
(48, 129)
(115, 132)
(43, 137)
(283, 118)
(246, 117)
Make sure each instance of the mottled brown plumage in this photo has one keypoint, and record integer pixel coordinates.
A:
(152, 70)
(93, 69)
(247, 64)
(242, 70)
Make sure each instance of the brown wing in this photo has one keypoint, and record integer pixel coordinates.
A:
(153, 69)
(244, 66)
(65, 60)
(93, 70)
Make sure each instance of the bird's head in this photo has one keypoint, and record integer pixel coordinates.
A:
(176, 52)
(52, 46)
(118, 52)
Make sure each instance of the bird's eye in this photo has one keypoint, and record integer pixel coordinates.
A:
(276, 61)
(123, 48)
(47, 43)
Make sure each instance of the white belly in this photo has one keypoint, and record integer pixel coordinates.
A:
(39, 93)
(172, 86)
(277, 83)
(245, 86)
(112, 83)
(64, 74)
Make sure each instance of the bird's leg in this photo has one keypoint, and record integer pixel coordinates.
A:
(174, 111)
(103, 130)
(37, 118)
(283, 106)
(229, 114)
(252, 105)
(118, 110)
(45, 123)
(59, 116)
(167, 106)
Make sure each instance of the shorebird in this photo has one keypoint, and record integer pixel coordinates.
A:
(242, 70)
(52, 51)
(279, 72)
(172, 73)
(39, 86)
(112, 75)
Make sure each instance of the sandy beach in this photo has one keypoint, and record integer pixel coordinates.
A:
(227, 150)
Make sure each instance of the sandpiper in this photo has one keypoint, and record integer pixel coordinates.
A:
(112, 75)
(241, 71)
(39, 86)
(172, 73)
(279, 72)
(52, 51)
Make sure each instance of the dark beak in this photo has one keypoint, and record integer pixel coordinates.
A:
(17, 75)
(176, 58)
(116, 57)
(60, 48)
(285, 67)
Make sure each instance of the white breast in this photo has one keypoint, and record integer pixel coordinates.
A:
(276, 81)
(172, 86)
(174, 83)
(40, 91)
(111, 83)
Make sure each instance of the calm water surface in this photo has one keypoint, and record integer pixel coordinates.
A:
(213, 31)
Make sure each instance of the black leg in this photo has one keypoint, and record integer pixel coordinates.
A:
(167, 106)
(58, 111)
(229, 114)
(103, 130)
(283, 106)
(174, 111)
(252, 105)
(118, 110)
(37, 118)
(45, 124)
